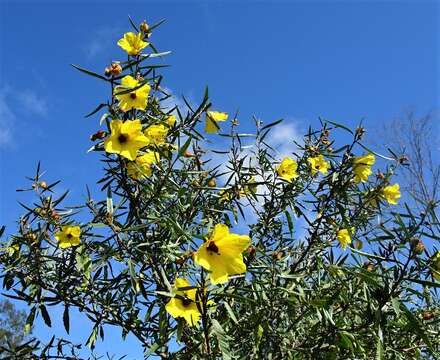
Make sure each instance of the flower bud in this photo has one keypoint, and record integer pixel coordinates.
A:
(403, 159)
(188, 154)
(427, 315)
(252, 250)
(380, 175)
(100, 134)
(358, 244)
(369, 266)
(417, 245)
(278, 255)
(360, 131)
(114, 69)
(212, 183)
(42, 184)
(144, 27)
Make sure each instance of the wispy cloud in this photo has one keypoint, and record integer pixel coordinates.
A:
(33, 103)
(283, 137)
(17, 103)
(101, 40)
(7, 118)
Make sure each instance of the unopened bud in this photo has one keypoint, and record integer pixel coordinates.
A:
(403, 159)
(380, 175)
(252, 250)
(417, 245)
(360, 131)
(212, 183)
(144, 27)
(427, 315)
(114, 69)
(277, 255)
(369, 266)
(42, 184)
(100, 134)
(358, 244)
(188, 154)
(180, 260)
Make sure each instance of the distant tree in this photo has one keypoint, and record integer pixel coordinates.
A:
(12, 324)
(415, 139)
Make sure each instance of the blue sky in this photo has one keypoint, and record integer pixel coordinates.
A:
(345, 61)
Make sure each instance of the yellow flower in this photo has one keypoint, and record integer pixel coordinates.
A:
(132, 43)
(13, 249)
(136, 99)
(287, 169)
(141, 167)
(212, 118)
(362, 167)
(68, 236)
(391, 193)
(435, 260)
(126, 138)
(225, 195)
(344, 238)
(222, 255)
(170, 120)
(318, 163)
(249, 187)
(184, 304)
(156, 134)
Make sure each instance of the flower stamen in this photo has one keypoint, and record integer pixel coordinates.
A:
(212, 248)
(122, 138)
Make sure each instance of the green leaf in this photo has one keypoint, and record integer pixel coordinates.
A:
(91, 341)
(230, 312)
(66, 320)
(45, 315)
(271, 124)
(99, 107)
(151, 350)
(88, 72)
(223, 340)
(184, 147)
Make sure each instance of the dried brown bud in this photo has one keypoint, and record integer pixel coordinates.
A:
(428, 315)
(114, 69)
(252, 250)
(417, 245)
(278, 255)
(55, 215)
(100, 134)
(188, 154)
(380, 175)
(360, 131)
(144, 26)
(403, 159)
(181, 260)
(369, 266)
(212, 183)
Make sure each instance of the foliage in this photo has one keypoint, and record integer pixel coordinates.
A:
(12, 322)
(294, 293)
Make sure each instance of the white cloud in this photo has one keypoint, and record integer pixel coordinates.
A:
(283, 136)
(17, 100)
(101, 40)
(33, 103)
(7, 118)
